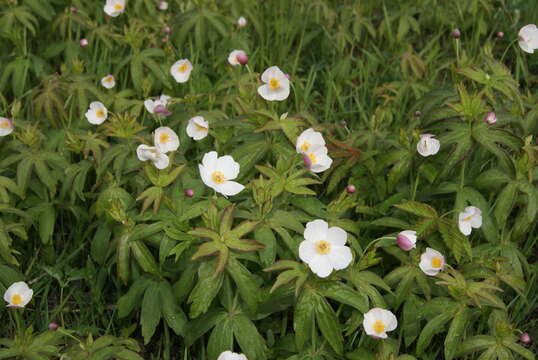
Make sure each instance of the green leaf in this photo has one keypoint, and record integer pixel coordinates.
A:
(476, 343)
(434, 326)
(221, 338)
(128, 302)
(206, 289)
(456, 333)
(151, 311)
(418, 209)
(47, 217)
(347, 295)
(328, 324)
(246, 284)
(249, 339)
(303, 317)
(505, 202)
(172, 313)
(264, 235)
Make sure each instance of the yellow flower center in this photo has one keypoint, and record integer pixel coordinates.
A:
(312, 158)
(100, 113)
(218, 177)
(274, 84)
(4, 124)
(16, 299)
(323, 247)
(118, 7)
(437, 262)
(468, 218)
(306, 145)
(183, 67)
(200, 127)
(379, 327)
(109, 79)
(164, 138)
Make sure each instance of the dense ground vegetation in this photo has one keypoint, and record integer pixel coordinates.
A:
(129, 261)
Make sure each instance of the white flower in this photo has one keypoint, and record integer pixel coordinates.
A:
(237, 57)
(427, 145)
(163, 5)
(378, 321)
(114, 7)
(228, 355)
(181, 70)
(18, 295)
(97, 113)
(407, 240)
(197, 128)
(151, 153)
(277, 85)
(469, 218)
(152, 104)
(316, 159)
(528, 38)
(6, 126)
(165, 139)
(108, 81)
(216, 172)
(241, 22)
(308, 140)
(431, 262)
(323, 248)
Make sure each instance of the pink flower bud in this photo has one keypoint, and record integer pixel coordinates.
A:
(456, 33)
(525, 338)
(162, 110)
(418, 113)
(73, 9)
(189, 193)
(83, 42)
(242, 58)
(53, 326)
(500, 34)
(343, 123)
(164, 40)
(163, 5)
(490, 118)
(167, 30)
(407, 240)
(307, 161)
(351, 189)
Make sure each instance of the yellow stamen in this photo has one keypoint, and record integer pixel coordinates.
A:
(379, 327)
(437, 262)
(4, 124)
(312, 158)
(109, 79)
(164, 137)
(200, 127)
(100, 113)
(274, 84)
(323, 247)
(218, 177)
(306, 145)
(16, 299)
(183, 67)
(118, 7)
(468, 218)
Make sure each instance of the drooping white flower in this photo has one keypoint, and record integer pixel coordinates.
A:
(108, 81)
(241, 22)
(228, 355)
(152, 153)
(407, 240)
(152, 104)
(97, 113)
(277, 85)
(181, 70)
(469, 218)
(427, 145)
(237, 57)
(378, 321)
(114, 7)
(197, 128)
(528, 38)
(217, 173)
(316, 159)
(309, 139)
(83, 42)
(6, 126)
(18, 295)
(324, 248)
(431, 262)
(165, 139)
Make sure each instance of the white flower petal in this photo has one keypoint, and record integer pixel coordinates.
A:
(229, 188)
(336, 236)
(165, 139)
(321, 266)
(307, 251)
(150, 105)
(210, 161)
(316, 230)
(6, 126)
(228, 167)
(162, 161)
(340, 257)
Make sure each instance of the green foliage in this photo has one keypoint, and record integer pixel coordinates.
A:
(132, 266)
